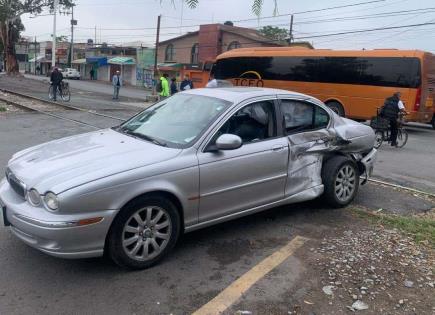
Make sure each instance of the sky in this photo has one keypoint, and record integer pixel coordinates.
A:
(125, 21)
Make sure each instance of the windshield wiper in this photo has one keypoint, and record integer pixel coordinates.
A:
(142, 136)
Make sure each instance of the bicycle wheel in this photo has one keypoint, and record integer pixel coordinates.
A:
(379, 138)
(402, 137)
(50, 93)
(66, 95)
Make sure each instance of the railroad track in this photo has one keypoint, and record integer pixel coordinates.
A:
(55, 104)
(49, 108)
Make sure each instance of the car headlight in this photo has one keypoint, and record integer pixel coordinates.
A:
(33, 197)
(51, 201)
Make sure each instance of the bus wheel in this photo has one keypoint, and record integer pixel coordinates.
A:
(336, 107)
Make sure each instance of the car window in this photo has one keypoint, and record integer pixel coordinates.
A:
(254, 122)
(301, 116)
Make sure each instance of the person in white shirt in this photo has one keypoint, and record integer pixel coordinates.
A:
(212, 83)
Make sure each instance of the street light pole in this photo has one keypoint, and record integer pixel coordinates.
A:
(73, 22)
(53, 45)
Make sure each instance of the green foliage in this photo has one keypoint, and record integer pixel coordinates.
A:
(12, 9)
(256, 8)
(275, 33)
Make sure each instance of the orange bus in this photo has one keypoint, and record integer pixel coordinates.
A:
(352, 83)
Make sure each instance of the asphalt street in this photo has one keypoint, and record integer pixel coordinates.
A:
(207, 262)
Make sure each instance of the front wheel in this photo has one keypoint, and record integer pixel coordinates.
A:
(143, 233)
(340, 176)
(50, 92)
(66, 95)
(402, 138)
(379, 138)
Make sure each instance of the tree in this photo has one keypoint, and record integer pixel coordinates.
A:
(275, 33)
(10, 13)
(256, 7)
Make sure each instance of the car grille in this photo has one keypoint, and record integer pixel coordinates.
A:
(16, 184)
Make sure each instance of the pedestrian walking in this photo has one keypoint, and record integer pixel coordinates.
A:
(186, 84)
(163, 87)
(117, 83)
(173, 86)
(56, 78)
(92, 73)
(391, 109)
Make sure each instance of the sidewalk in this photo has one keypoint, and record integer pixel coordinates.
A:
(100, 87)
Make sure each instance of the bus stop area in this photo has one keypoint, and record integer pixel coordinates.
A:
(376, 256)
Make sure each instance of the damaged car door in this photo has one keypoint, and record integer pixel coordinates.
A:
(253, 174)
(306, 126)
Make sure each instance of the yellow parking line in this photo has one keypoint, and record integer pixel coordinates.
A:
(233, 292)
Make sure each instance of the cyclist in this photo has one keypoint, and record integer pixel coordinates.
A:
(391, 109)
(56, 81)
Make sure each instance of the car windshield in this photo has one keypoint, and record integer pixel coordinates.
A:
(176, 121)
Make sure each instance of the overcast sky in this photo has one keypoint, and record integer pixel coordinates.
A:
(126, 21)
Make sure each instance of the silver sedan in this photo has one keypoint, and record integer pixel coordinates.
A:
(198, 158)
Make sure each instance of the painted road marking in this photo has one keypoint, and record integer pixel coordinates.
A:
(233, 292)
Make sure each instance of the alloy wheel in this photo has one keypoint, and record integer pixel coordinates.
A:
(345, 183)
(146, 233)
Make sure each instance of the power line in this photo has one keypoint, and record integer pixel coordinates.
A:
(367, 30)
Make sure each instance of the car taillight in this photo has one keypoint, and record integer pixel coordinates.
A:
(417, 100)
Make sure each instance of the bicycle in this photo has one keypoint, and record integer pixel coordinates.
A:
(381, 126)
(63, 91)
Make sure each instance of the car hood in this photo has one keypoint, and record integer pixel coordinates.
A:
(69, 162)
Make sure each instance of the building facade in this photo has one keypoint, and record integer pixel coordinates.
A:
(210, 41)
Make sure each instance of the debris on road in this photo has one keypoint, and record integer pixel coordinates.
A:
(359, 305)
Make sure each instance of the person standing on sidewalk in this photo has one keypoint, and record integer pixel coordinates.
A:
(117, 83)
(174, 86)
(56, 78)
(186, 84)
(164, 87)
(92, 73)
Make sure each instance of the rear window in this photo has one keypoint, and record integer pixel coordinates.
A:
(378, 71)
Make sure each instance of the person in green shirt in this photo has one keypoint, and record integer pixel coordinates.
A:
(165, 87)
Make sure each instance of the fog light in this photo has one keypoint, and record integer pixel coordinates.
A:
(51, 201)
(33, 197)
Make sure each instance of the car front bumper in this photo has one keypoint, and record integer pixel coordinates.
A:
(62, 235)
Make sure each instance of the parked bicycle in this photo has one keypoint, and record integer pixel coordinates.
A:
(381, 126)
(63, 91)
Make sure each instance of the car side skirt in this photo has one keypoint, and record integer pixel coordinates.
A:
(305, 195)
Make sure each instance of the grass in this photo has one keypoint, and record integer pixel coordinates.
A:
(2, 109)
(420, 227)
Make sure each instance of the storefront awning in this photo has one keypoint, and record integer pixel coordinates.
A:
(100, 61)
(122, 61)
(79, 61)
(37, 59)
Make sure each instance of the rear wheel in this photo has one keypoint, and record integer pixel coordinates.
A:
(143, 233)
(379, 138)
(336, 107)
(402, 137)
(66, 94)
(340, 176)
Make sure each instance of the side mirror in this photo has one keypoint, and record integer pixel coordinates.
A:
(228, 142)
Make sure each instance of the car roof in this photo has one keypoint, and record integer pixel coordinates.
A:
(238, 94)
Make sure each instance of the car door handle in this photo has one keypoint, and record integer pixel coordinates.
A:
(278, 147)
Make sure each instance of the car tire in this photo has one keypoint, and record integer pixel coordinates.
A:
(340, 176)
(433, 122)
(138, 245)
(336, 107)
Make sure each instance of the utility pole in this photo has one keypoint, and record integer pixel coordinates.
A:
(53, 45)
(34, 43)
(95, 38)
(157, 44)
(73, 22)
(291, 30)
(181, 19)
